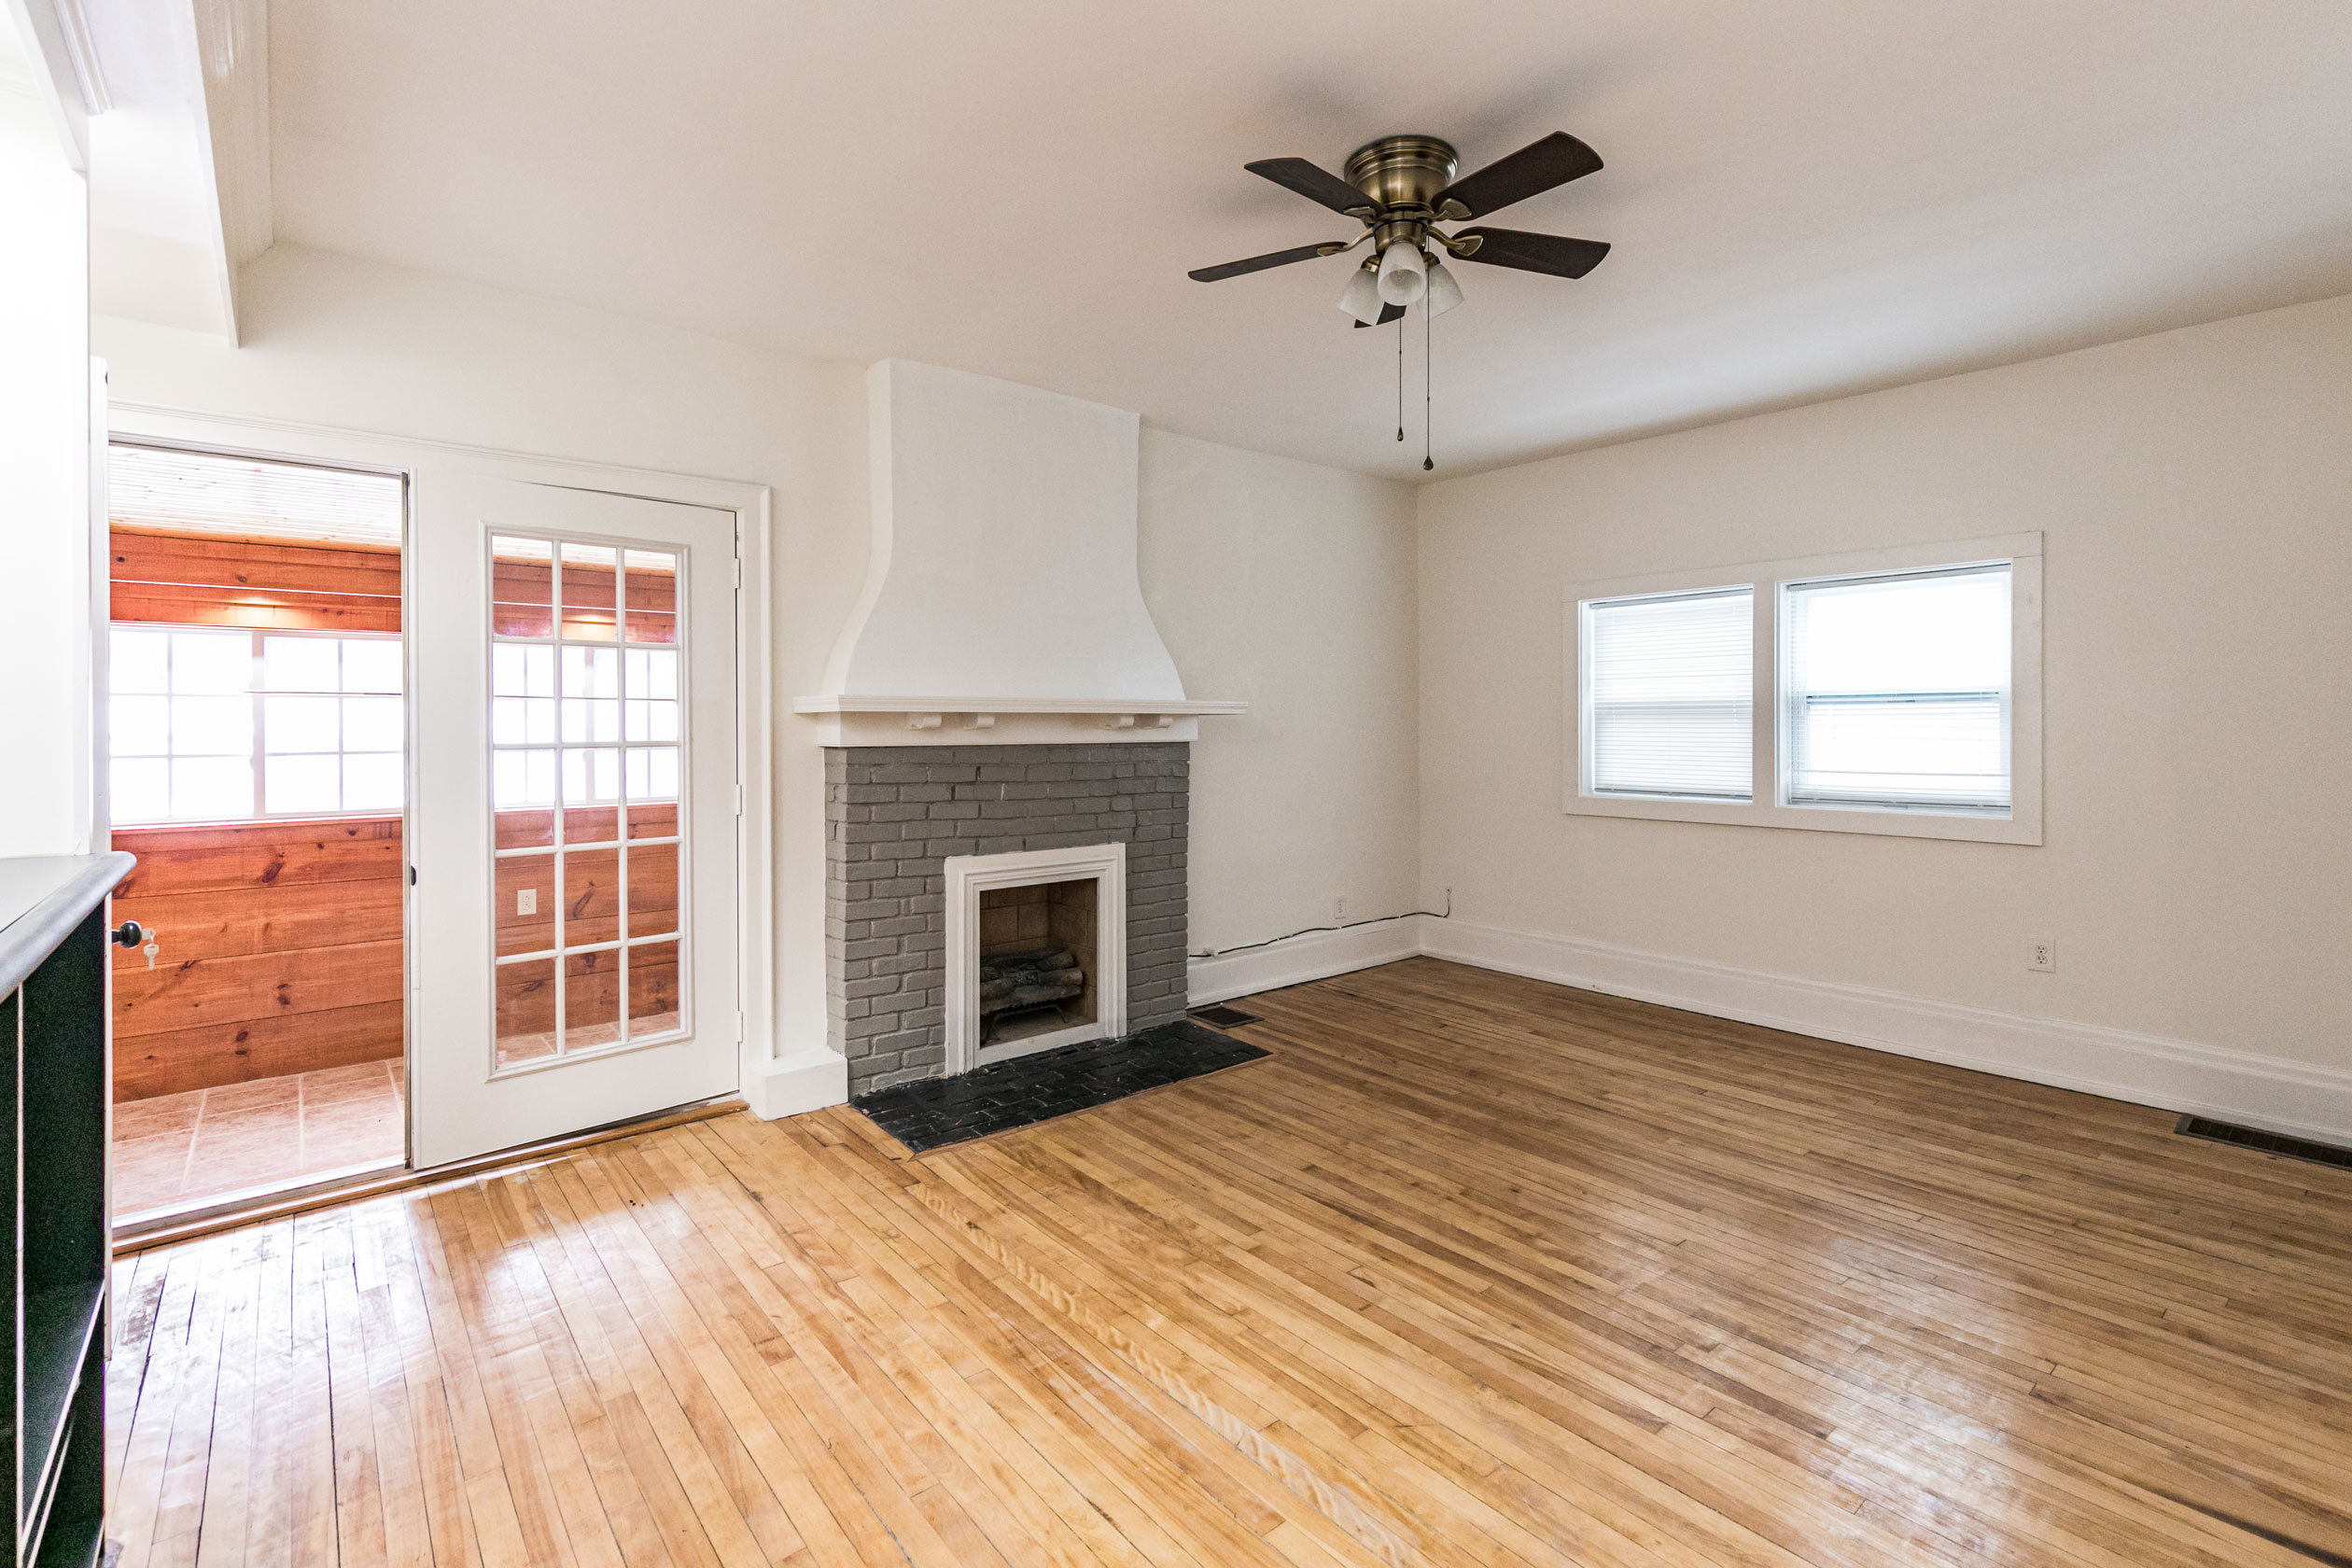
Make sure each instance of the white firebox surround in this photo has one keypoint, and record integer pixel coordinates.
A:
(1001, 605)
(968, 877)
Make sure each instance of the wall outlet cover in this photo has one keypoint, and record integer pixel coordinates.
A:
(2041, 955)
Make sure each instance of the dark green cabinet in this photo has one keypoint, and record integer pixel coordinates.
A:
(53, 967)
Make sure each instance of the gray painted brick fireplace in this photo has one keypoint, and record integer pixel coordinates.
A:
(892, 817)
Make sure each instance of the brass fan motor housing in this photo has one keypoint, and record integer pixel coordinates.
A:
(1403, 171)
(1404, 174)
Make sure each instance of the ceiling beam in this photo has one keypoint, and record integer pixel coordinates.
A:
(232, 49)
(57, 37)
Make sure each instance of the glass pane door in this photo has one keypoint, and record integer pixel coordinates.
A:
(587, 759)
(575, 723)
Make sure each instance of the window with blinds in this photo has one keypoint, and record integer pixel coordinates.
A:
(1669, 697)
(1895, 691)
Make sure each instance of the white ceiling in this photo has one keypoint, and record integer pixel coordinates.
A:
(1806, 197)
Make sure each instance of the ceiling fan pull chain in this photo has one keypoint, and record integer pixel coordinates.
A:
(1427, 463)
(1400, 378)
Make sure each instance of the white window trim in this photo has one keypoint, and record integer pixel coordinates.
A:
(2022, 824)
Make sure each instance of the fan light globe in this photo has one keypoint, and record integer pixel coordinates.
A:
(1362, 296)
(1444, 292)
(1404, 277)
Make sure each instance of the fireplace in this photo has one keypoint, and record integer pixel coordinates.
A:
(1036, 951)
(1006, 741)
(940, 857)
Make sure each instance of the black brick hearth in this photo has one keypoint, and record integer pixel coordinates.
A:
(937, 1112)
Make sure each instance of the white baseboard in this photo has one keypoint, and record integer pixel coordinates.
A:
(1316, 956)
(805, 1081)
(2262, 1091)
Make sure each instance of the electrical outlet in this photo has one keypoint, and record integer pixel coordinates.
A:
(2041, 953)
(1340, 909)
(526, 901)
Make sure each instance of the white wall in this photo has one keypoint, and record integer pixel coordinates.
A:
(2195, 492)
(1289, 585)
(2193, 489)
(1274, 580)
(45, 539)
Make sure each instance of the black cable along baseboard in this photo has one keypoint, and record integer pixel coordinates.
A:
(1445, 914)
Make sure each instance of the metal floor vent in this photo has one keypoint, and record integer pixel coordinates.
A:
(1225, 1018)
(2268, 1142)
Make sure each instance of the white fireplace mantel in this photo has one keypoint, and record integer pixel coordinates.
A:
(1004, 564)
(887, 721)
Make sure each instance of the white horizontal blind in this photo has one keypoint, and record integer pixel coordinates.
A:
(1896, 689)
(1669, 694)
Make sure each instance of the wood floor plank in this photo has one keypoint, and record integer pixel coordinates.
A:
(1471, 1272)
(400, 1344)
(229, 1477)
(510, 1374)
(1006, 1487)
(822, 1504)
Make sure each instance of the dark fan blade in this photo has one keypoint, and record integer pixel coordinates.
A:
(1296, 174)
(1256, 264)
(1387, 314)
(1555, 254)
(1536, 168)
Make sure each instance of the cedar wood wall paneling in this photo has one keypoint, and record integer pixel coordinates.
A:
(280, 952)
(280, 942)
(187, 580)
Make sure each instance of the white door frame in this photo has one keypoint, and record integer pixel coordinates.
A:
(755, 707)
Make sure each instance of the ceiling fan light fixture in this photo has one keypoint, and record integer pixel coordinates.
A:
(1404, 276)
(1444, 291)
(1400, 188)
(1361, 299)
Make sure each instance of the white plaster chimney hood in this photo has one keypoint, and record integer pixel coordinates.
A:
(1002, 604)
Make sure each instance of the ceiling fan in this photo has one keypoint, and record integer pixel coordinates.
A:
(1400, 188)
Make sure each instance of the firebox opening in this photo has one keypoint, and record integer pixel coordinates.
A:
(1037, 960)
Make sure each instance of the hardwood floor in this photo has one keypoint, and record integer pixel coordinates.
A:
(1475, 1272)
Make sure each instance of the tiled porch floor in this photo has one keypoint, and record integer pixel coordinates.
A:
(205, 1143)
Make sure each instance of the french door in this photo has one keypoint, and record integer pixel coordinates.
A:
(573, 820)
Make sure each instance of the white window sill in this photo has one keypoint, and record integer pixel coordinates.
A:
(1972, 827)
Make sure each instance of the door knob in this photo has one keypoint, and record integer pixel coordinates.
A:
(133, 934)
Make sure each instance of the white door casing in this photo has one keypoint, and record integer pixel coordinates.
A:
(464, 1099)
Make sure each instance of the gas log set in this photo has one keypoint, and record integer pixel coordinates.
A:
(1013, 983)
